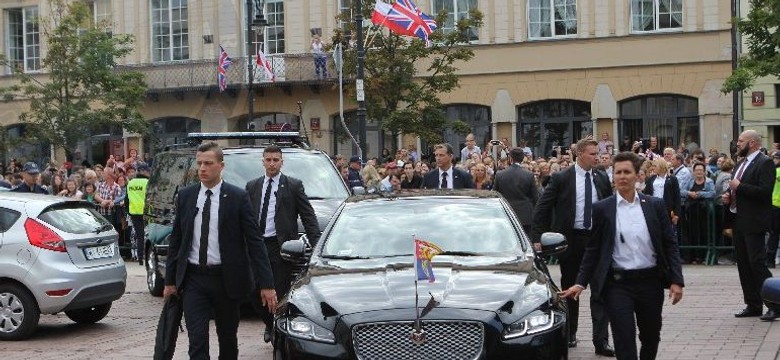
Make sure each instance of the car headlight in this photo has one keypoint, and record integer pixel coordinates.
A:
(303, 328)
(535, 322)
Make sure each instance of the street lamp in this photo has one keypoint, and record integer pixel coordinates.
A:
(361, 55)
(258, 22)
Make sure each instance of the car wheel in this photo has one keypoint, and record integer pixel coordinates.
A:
(19, 312)
(154, 280)
(89, 315)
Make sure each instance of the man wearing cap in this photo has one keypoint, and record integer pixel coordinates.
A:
(353, 176)
(136, 198)
(30, 173)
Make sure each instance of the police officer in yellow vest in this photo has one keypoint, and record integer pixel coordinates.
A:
(136, 196)
(774, 235)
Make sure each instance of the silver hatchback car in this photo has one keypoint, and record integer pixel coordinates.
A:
(56, 255)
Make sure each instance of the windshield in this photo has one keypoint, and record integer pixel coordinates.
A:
(383, 228)
(320, 178)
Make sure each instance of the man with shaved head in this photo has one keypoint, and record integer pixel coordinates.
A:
(750, 198)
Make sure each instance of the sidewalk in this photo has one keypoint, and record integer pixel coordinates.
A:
(702, 325)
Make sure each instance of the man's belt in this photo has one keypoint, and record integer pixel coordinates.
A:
(638, 274)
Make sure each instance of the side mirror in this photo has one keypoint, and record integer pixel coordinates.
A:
(358, 190)
(553, 243)
(294, 250)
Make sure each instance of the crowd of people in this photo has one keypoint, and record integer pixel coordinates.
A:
(106, 186)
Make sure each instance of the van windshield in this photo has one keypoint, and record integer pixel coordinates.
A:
(318, 174)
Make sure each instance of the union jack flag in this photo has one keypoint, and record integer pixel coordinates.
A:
(224, 64)
(405, 18)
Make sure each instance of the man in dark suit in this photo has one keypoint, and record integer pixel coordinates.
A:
(446, 176)
(518, 187)
(566, 207)
(277, 202)
(671, 189)
(631, 258)
(750, 198)
(215, 252)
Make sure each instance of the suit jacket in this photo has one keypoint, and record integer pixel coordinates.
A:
(598, 253)
(555, 209)
(518, 187)
(671, 194)
(291, 202)
(460, 179)
(241, 246)
(754, 195)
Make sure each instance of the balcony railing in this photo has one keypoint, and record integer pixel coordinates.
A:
(288, 69)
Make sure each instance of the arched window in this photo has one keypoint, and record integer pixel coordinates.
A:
(169, 131)
(674, 119)
(478, 119)
(342, 143)
(550, 123)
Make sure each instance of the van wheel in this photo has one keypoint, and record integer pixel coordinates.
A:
(89, 315)
(19, 312)
(154, 280)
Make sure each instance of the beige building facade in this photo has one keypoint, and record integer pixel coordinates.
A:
(546, 72)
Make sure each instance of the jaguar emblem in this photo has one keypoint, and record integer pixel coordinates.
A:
(418, 334)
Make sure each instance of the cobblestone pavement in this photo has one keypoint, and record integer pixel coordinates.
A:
(700, 327)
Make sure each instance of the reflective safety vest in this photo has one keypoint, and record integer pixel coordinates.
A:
(776, 191)
(136, 195)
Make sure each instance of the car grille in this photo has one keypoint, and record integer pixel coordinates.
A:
(450, 340)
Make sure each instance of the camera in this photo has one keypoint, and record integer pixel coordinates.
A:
(495, 142)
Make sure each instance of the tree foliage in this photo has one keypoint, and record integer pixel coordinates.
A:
(760, 31)
(81, 93)
(404, 78)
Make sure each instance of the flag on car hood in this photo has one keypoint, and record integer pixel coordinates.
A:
(424, 251)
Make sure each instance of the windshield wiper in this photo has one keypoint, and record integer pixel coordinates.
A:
(316, 198)
(345, 257)
(104, 227)
(460, 253)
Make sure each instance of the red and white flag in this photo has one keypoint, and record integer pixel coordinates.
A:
(264, 64)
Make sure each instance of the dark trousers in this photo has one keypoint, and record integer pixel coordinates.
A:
(203, 294)
(282, 270)
(750, 254)
(138, 229)
(774, 238)
(570, 266)
(319, 65)
(625, 300)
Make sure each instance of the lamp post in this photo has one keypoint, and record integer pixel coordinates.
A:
(258, 22)
(361, 110)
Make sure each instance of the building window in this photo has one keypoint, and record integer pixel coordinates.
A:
(456, 10)
(548, 124)
(551, 18)
(655, 15)
(272, 40)
(777, 95)
(101, 13)
(170, 32)
(673, 119)
(345, 8)
(23, 39)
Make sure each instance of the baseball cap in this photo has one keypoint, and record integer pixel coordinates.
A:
(354, 159)
(31, 168)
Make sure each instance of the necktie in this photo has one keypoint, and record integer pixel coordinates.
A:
(444, 181)
(733, 194)
(264, 212)
(204, 231)
(588, 201)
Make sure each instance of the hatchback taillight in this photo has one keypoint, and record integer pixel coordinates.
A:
(41, 236)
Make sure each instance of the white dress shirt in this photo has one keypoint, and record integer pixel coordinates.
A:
(449, 178)
(213, 256)
(270, 224)
(579, 204)
(633, 246)
(658, 186)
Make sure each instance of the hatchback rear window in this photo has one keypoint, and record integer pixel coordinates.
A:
(7, 218)
(76, 218)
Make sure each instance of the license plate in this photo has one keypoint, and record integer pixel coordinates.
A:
(99, 252)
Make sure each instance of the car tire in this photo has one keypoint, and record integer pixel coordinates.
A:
(22, 310)
(154, 280)
(89, 315)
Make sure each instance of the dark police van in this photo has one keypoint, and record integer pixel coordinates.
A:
(175, 168)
